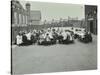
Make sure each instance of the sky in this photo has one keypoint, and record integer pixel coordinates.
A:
(56, 11)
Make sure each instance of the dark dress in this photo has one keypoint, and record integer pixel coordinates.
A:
(24, 39)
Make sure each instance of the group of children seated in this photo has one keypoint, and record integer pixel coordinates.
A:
(49, 37)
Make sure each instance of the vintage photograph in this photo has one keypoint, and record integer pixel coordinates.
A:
(52, 37)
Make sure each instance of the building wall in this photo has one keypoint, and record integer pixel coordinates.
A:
(35, 17)
(35, 22)
(18, 14)
(21, 18)
(91, 18)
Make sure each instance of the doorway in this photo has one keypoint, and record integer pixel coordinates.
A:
(91, 26)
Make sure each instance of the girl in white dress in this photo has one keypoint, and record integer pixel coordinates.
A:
(19, 39)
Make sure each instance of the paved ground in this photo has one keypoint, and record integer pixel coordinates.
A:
(55, 58)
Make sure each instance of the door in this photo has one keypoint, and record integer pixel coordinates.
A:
(91, 26)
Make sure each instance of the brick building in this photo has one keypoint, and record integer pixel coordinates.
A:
(35, 17)
(19, 16)
(23, 18)
(91, 18)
